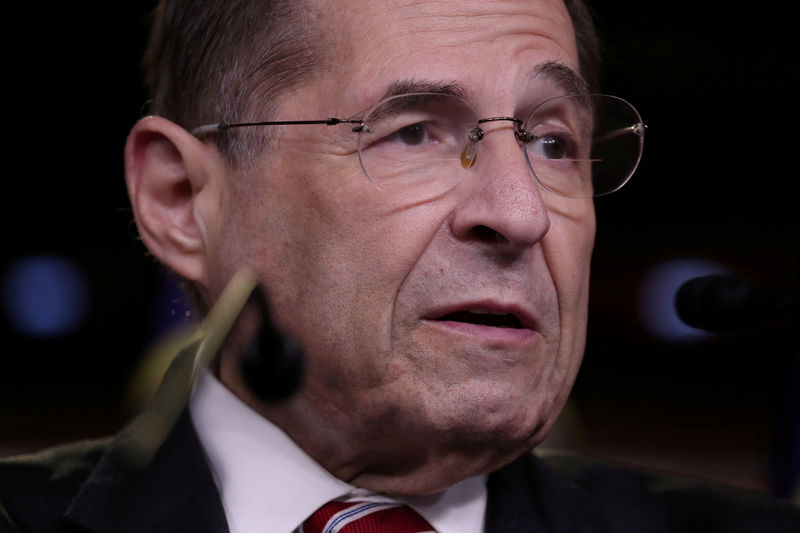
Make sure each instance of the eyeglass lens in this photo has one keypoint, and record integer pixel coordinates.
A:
(578, 146)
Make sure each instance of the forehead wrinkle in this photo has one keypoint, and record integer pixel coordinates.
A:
(444, 18)
(489, 31)
(441, 14)
(440, 10)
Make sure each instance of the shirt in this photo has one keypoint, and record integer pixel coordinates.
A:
(268, 483)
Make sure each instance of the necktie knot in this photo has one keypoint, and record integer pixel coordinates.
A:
(365, 517)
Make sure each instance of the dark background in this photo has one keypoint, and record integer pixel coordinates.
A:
(717, 85)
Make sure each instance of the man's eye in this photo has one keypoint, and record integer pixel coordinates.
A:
(549, 147)
(412, 135)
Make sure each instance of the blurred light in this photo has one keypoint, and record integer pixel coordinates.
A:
(657, 298)
(45, 296)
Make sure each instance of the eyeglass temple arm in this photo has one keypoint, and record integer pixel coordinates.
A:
(637, 129)
(224, 126)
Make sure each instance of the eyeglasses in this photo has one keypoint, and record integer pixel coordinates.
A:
(577, 146)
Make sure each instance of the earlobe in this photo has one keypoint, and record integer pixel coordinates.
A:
(166, 169)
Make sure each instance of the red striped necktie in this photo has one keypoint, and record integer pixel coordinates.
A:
(365, 517)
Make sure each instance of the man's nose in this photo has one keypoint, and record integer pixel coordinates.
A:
(501, 202)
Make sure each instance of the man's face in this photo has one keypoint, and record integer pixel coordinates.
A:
(395, 299)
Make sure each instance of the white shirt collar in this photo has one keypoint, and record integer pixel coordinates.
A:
(264, 478)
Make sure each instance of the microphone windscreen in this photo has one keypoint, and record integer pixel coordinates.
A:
(721, 304)
(272, 362)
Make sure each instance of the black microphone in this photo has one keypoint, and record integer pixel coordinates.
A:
(721, 304)
(273, 361)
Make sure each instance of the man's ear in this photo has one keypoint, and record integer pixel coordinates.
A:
(167, 169)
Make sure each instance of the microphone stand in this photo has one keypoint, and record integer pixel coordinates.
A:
(725, 304)
(272, 365)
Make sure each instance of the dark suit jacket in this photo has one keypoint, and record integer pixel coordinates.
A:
(91, 487)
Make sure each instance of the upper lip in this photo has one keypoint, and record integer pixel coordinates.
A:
(525, 317)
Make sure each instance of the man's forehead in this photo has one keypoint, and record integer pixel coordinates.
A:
(419, 12)
(382, 47)
(406, 26)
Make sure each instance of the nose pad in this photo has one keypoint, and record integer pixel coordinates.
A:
(469, 155)
(502, 203)
(470, 152)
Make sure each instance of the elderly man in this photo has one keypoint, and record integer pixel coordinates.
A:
(428, 250)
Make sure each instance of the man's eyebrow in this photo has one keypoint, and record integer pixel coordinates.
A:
(551, 71)
(561, 75)
(400, 87)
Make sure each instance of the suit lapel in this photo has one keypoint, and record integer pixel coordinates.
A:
(174, 492)
(154, 477)
(527, 496)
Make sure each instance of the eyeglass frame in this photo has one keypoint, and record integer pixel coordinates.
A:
(475, 135)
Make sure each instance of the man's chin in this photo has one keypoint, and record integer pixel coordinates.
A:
(494, 414)
(439, 470)
(467, 452)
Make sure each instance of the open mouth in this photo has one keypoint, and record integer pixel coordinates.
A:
(504, 320)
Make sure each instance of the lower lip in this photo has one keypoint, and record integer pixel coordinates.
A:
(487, 333)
